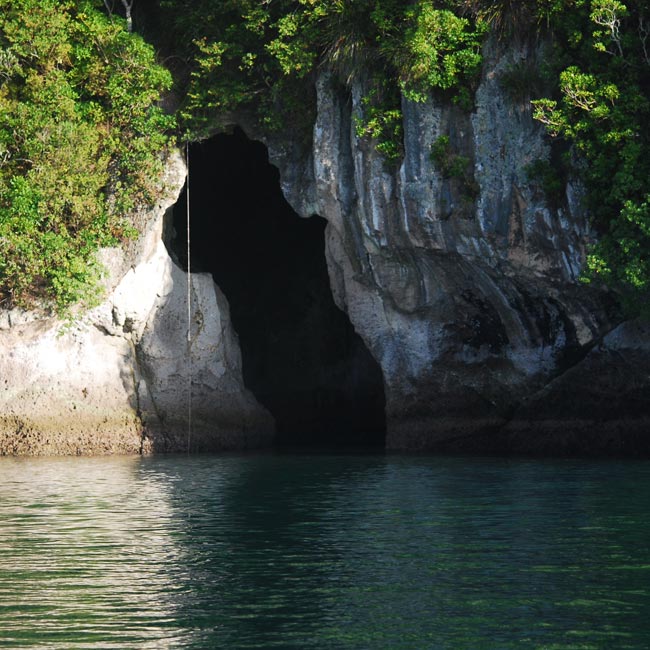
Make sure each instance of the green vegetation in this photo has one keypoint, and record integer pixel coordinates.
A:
(549, 175)
(448, 163)
(262, 57)
(522, 81)
(451, 164)
(80, 142)
(382, 119)
(82, 136)
(602, 109)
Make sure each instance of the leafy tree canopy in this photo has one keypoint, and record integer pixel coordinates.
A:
(80, 141)
(602, 108)
(81, 133)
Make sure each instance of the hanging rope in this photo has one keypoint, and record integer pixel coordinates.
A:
(189, 305)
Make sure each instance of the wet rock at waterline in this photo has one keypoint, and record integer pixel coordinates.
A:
(70, 393)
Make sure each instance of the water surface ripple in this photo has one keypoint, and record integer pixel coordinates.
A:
(324, 551)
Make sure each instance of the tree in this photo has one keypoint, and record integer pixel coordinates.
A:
(80, 143)
(602, 109)
(128, 7)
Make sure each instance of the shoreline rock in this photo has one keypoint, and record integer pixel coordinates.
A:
(116, 381)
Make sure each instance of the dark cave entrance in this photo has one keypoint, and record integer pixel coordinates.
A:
(301, 357)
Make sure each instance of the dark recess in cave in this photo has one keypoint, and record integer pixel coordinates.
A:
(301, 357)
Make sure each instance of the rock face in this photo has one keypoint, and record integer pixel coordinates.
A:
(600, 405)
(67, 394)
(465, 288)
(224, 415)
(118, 381)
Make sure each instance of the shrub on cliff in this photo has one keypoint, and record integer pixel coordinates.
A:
(80, 142)
(602, 108)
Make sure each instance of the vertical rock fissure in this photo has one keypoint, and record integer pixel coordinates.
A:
(301, 357)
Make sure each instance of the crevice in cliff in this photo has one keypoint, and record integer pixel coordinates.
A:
(301, 357)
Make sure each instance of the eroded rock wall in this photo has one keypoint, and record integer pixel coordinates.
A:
(464, 289)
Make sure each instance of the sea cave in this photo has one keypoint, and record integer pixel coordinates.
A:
(301, 357)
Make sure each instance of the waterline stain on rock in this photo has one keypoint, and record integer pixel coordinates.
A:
(301, 356)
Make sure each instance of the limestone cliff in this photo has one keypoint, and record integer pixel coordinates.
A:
(467, 292)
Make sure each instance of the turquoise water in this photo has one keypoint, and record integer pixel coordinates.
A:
(324, 551)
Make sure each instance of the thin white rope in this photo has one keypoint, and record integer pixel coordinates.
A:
(189, 305)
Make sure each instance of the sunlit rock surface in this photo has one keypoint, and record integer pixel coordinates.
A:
(70, 393)
(118, 380)
(466, 290)
(223, 414)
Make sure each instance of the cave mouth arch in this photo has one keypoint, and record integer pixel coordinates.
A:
(301, 357)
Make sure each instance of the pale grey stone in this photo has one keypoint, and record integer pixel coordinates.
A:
(470, 305)
(116, 380)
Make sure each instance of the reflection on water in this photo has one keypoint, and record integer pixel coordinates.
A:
(88, 553)
(298, 551)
